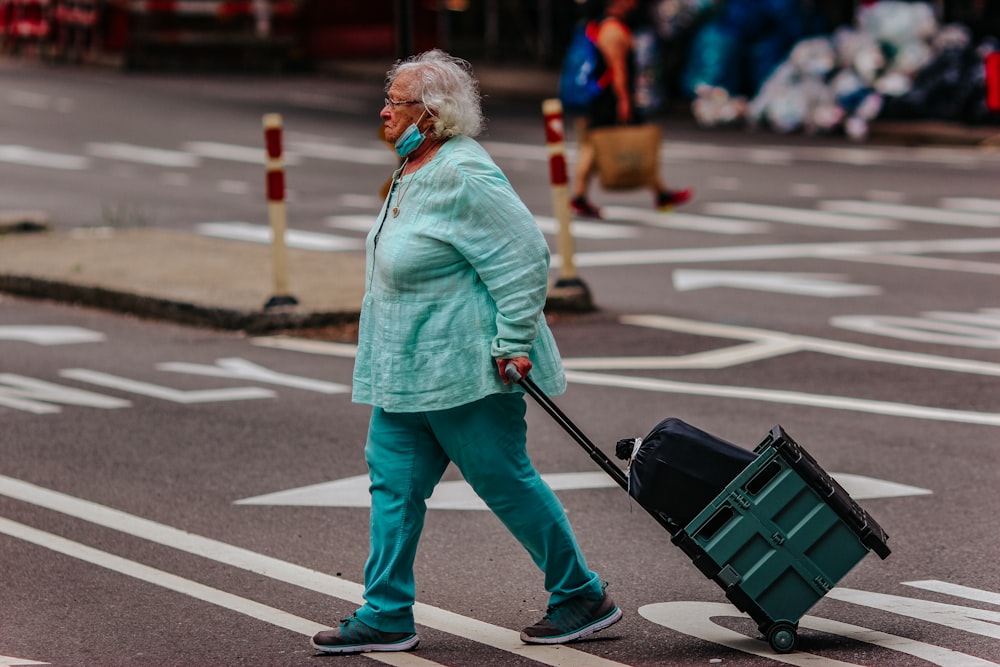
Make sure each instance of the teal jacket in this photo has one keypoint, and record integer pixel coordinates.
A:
(454, 282)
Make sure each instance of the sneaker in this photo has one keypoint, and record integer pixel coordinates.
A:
(584, 208)
(667, 199)
(353, 636)
(574, 619)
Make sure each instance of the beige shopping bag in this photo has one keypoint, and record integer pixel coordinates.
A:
(626, 155)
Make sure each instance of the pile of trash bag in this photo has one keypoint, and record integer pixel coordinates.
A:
(896, 61)
(740, 42)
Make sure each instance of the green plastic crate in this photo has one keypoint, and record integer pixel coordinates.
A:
(779, 537)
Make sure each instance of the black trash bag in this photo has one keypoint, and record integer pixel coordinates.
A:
(952, 87)
(678, 469)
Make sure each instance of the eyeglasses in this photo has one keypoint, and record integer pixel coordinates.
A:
(398, 103)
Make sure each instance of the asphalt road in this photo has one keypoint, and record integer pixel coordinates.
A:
(179, 496)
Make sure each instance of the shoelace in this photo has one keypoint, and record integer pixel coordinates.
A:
(354, 630)
(568, 615)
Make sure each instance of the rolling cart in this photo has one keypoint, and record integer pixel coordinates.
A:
(776, 539)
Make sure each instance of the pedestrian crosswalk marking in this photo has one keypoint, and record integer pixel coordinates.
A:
(981, 205)
(844, 251)
(798, 216)
(142, 154)
(927, 214)
(807, 284)
(294, 238)
(691, 221)
(426, 615)
(32, 157)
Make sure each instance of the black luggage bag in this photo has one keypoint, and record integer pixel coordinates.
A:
(678, 468)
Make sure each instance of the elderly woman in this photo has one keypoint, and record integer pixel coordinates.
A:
(456, 279)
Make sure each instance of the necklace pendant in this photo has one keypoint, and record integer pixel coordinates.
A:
(395, 212)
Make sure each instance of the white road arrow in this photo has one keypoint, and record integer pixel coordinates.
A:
(458, 495)
(165, 393)
(50, 335)
(805, 284)
(6, 661)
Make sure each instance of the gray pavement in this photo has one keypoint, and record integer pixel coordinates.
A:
(186, 278)
(181, 277)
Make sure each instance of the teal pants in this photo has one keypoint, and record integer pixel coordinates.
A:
(407, 454)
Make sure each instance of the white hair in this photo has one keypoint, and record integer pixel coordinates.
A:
(446, 87)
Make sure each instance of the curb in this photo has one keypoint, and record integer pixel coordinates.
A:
(179, 312)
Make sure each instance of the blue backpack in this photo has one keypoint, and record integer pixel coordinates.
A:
(578, 81)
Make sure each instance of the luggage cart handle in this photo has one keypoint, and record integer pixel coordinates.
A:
(543, 400)
(602, 459)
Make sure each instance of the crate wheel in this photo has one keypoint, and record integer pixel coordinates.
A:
(782, 637)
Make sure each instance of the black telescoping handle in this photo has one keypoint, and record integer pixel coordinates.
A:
(596, 454)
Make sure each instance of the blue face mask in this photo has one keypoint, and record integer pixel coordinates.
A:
(410, 139)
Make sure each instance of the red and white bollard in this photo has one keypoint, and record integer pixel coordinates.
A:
(569, 287)
(276, 212)
(554, 137)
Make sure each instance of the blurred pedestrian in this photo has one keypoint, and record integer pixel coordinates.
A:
(457, 274)
(615, 105)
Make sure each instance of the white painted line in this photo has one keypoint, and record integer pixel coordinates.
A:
(798, 216)
(763, 344)
(451, 495)
(824, 285)
(357, 223)
(930, 328)
(584, 229)
(345, 153)
(930, 263)
(862, 487)
(696, 619)
(241, 369)
(7, 661)
(916, 213)
(142, 155)
(724, 357)
(977, 621)
(370, 202)
(689, 221)
(40, 102)
(680, 152)
(160, 578)
(763, 394)
(295, 344)
(29, 100)
(499, 149)
(956, 590)
(794, 343)
(219, 598)
(50, 334)
(787, 251)
(972, 204)
(35, 158)
(35, 396)
(165, 393)
(458, 495)
(296, 575)
(303, 240)
(234, 153)
(231, 187)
